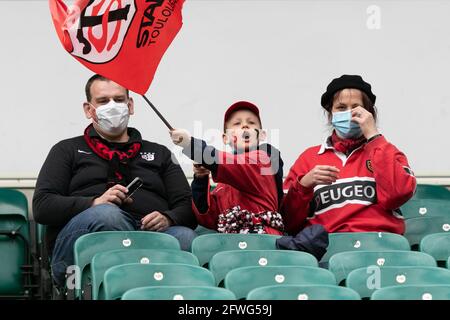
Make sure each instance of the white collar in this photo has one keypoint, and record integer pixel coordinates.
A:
(325, 146)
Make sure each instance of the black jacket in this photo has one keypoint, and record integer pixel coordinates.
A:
(73, 175)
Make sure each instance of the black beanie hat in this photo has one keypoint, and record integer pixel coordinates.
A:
(346, 82)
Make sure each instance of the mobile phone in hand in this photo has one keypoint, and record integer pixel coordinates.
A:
(133, 186)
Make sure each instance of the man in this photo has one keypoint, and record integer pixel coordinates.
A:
(81, 186)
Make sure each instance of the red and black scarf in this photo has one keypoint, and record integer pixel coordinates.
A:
(117, 154)
(345, 146)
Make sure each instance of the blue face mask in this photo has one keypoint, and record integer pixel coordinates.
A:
(345, 128)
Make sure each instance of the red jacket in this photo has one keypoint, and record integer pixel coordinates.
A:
(373, 181)
(240, 182)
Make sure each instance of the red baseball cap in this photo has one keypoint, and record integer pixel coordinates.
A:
(240, 105)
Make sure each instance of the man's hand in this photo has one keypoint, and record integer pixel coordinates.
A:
(200, 171)
(180, 137)
(114, 195)
(155, 221)
(320, 175)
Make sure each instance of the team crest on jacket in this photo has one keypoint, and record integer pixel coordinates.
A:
(149, 156)
(97, 32)
(369, 165)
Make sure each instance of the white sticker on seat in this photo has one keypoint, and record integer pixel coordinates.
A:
(158, 276)
(126, 242)
(145, 260)
(242, 245)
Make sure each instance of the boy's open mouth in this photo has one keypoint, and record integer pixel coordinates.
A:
(246, 136)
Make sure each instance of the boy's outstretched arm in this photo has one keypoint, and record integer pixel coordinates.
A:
(241, 171)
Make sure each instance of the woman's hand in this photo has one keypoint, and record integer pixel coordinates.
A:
(366, 122)
(320, 174)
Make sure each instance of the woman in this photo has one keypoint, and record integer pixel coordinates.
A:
(356, 180)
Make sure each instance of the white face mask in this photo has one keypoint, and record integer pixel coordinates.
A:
(113, 117)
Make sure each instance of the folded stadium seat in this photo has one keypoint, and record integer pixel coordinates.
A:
(438, 246)
(45, 279)
(207, 245)
(366, 280)
(358, 241)
(223, 262)
(417, 228)
(102, 261)
(307, 292)
(200, 230)
(179, 293)
(119, 279)
(430, 191)
(16, 270)
(243, 280)
(341, 264)
(90, 244)
(424, 292)
(415, 208)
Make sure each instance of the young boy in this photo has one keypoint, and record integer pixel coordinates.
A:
(249, 180)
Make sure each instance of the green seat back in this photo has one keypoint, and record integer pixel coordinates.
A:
(179, 293)
(242, 280)
(429, 191)
(416, 208)
(437, 245)
(207, 245)
(40, 233)
(417, 228)
(119, 279)
(88, 245)
(298, 292)
(200, 230)
(359, 241)
(424, 292)
(223, 262)
(102, 261)
(14, 241)
(365, 281)
(341, 264)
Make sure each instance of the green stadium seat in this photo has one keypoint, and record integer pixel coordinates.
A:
(424, 292)
(90, 244)
(243, 280)
(366, 280)
(179, 293)
(223, 262)
(45, 278)
(15, 269)
(429, 191)
(119, 279)
(416, 208)
(207, 245)
(102, 261)
(200, 230)
(307, 292)
(417, 228)
(448, 263)
(359, 241)
(438, 246)
(341, 264)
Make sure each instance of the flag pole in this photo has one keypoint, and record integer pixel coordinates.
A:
(158, 113)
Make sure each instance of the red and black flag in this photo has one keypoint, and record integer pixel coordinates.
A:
(123, 40)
